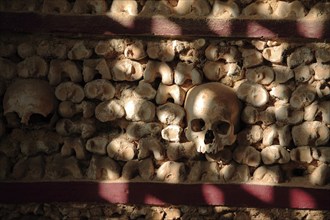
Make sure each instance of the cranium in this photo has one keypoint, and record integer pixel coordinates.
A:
(29, 96)
(212, 115)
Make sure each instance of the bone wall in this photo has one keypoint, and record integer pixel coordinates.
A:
(113, 109)
(210, 8)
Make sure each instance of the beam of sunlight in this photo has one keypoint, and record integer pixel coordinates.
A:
(212, 194)
(114, 192)
(254, 29)
(263, 193)
(300, 198)
(163, 26)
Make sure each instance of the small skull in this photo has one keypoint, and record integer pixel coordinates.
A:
(27, 97)
(212, 115)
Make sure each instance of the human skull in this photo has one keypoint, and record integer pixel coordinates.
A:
(212, 114)
(29, 96)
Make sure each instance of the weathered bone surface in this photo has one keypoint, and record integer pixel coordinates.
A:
(212, 113)
(60, 69)
(34, 66)
(33, 97)
(155, 69)
(93, 67)
(100, 89)
(69, 91)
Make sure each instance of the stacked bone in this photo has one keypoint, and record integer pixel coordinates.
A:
(114, 110)
(273, 9)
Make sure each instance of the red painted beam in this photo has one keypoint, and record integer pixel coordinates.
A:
(160, 26)
(238, 195)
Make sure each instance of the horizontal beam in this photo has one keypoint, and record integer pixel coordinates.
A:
(238, 195)
(161, 26)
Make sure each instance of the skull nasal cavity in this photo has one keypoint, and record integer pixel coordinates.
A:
(197, 125)
(209, 137)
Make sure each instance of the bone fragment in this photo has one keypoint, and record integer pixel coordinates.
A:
(235, 173)
(165, 92)
(322, 55)
(110, 48)
(109, 110)
(58, 167)
(25, 50)
(287, 115)
(263, 75)
(92, 67)
(138, 130)
(247, 155)
(73, 146)
(97, 145)
(103, 168)
(100, 89)
(139, 110)
(275, 154)
(172, 133)
(276, 132)
(69, 91)
(144, 91)
(275, 54)
(320, 175)
(312, 133)
(224, 156)
(321, 71)
(51, 49)
(215, 70)
(302, 73)
(171, 172)
(258, 9)
(56, 7)
(176, 150)
(146, 169)
(170, 113)
(252, 93)
(68, 109)
(120, 148)
(83, 127)
(303, 96)
(268, 174)
(293, 10)
(301, 154)
(126, 70)
(225, 9)
(204, 171)
(59, 69)
(130, 170)
(322, 154)
(282, 73)
(215, 52)
(250, 135)
(34, 66)
(128, 7)
(135, 51)
(89, 7)
(185, 71)
(156, 69)
(299, 56)
(150, 145)
(79, 51)
(31, 168)
(163, 50)
(318, 109)
(251, 58)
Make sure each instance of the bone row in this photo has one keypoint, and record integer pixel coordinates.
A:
(138, 154)
(255, 81)
(214, 8)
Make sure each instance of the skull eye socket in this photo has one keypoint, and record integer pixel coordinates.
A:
(197, 125)
(222, 127)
